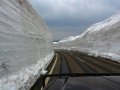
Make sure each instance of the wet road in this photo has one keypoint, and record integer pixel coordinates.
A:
(75, 62)
(64, 67)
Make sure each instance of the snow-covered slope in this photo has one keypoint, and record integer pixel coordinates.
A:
(101, 39)
(69, 39)
(25, 45)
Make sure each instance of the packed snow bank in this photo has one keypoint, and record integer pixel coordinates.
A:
(25, 45)
(69, 39)
(26, 77)
(101, 39)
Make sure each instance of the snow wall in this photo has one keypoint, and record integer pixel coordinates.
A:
(101, 39)
(25, 45)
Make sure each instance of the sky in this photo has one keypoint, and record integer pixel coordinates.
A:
(71, 17)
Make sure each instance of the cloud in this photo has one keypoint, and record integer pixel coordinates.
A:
(59, 8)
(74, 13)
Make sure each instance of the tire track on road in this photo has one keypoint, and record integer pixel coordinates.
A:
(86, 68)
(100, 65)
(64, 65)
(74, 66)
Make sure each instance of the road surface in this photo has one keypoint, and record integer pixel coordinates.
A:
(75, 62)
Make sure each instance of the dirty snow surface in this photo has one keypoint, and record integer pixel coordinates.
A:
(101, 39)
(25, 45)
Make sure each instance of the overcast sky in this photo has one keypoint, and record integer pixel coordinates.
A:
(71, 17)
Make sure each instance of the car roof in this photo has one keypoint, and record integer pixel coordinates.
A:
(85, 83)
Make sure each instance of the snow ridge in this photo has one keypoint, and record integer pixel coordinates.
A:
(96, 27)
(71, 38)
(101, 39)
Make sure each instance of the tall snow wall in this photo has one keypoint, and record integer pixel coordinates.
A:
(25, 45)
(101, 39)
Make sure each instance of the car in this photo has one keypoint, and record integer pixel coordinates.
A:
(81, 81)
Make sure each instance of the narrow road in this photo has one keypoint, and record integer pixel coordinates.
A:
(76, 62)
(68, 62)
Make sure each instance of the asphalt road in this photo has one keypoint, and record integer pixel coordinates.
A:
(71, 62)
(76, 62)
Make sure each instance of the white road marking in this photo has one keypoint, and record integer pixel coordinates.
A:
(51, 71)
(79, 59)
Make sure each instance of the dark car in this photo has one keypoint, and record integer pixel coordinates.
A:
(103, 81)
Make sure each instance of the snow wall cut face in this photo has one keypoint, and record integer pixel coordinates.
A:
(24, 37)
